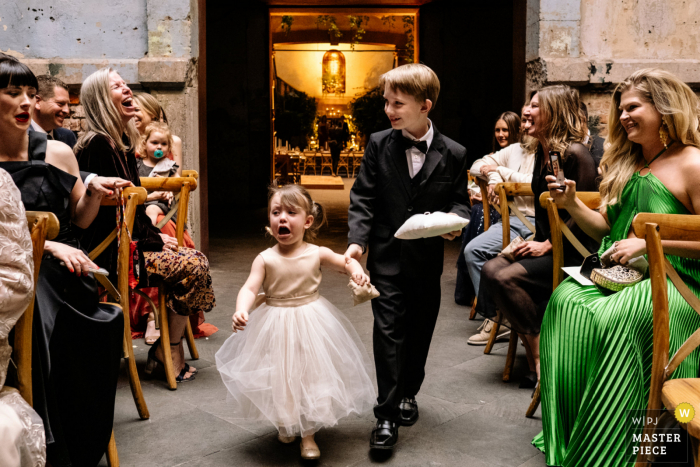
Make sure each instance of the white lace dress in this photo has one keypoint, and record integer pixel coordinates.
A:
(22, 440)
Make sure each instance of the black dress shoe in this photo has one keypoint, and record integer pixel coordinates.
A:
(385, 435)
(409, 411)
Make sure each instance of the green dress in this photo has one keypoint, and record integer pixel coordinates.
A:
(596, 349)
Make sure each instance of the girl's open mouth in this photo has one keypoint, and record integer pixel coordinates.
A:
(23, 117)
(283, 231)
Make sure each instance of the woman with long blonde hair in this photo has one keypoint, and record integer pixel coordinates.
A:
(596, 348)
(521, 289)
(107, 148)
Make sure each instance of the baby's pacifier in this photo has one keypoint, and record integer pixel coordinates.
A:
(158, 154)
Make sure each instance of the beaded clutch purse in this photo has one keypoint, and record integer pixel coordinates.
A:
(616, 277)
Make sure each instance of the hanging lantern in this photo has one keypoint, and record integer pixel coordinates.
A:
(333, 72)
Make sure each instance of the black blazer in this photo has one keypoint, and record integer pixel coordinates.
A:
(63, 135)
(382, 199)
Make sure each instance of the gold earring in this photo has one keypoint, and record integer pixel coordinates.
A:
(663, 134)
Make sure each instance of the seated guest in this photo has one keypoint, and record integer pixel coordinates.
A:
(107, 148)
(597, 345)
(148, 110)
(51, 109)
(506, 132)
(22, 439)
(153, 145)
(73, 389)
(521, 289)
(513, 163)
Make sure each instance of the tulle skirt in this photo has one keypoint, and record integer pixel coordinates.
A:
(301, 368)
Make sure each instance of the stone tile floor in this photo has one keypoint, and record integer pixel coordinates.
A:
(469, 416)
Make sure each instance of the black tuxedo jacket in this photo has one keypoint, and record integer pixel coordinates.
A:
(382, 199)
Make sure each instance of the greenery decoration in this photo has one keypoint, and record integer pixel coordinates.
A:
(388, 21)
(368, 112)
(356, 27)
(286, 25)
(329, 22)
(408, 29)
(295, 113)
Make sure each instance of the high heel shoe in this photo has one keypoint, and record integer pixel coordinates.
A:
(152, 364)
(152, 334)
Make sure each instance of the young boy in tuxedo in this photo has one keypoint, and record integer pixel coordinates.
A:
(407, 170)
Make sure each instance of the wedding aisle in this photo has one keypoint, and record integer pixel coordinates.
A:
(468, 416)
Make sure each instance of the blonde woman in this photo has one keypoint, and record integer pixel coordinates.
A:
(148, 110)
(596, 348)
(521, 289)
(107, 148)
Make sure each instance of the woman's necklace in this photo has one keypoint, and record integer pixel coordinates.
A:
(646, 166)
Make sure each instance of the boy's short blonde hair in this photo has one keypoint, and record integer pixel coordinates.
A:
(414, 79)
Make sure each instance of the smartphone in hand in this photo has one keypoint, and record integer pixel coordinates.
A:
(557, 169)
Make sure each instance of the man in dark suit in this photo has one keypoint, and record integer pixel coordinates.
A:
(408, 170)
(51, 109)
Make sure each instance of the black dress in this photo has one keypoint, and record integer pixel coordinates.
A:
(77, 341)
(521, 290)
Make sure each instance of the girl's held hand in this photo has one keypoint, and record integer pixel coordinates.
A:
(360, 278)
(240, 319)
(75, 260)
(567, 198)
(531, 249)
(627, 249)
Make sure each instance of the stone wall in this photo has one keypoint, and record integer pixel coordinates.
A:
(153, 44)
(595, 44)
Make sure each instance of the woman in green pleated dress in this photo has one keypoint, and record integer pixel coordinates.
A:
(595, 348)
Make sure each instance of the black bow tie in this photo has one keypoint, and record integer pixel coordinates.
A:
(422, 146)
(49, 136)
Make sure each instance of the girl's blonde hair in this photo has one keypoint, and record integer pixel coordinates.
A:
(102, 116)
(295, 196)
(158, 127)
(151, 106)
(561, 117)
(679, 108)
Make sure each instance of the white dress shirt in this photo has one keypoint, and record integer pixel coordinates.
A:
(35, 127)
(415, 158)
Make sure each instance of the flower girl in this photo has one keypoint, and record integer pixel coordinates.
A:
(298, 363)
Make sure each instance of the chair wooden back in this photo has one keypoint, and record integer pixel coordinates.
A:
(42, 226)
(133, 197)
(185, 185)
(506, 192)
(654, 228)
(591, 200)
(483, 187)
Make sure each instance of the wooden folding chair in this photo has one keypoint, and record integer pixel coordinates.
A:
(326, 161)
(356, 162)
(133, 197)
(483, 187)
(42, 226)
(309, 161)
(664, 392)
(343, 163)
(184, 185)
(506, 191)
(558, 228)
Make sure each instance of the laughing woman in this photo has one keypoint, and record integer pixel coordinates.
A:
(107, 148)
(77, 341)
(596, 349)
